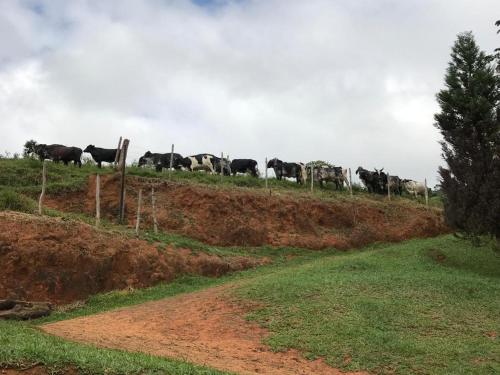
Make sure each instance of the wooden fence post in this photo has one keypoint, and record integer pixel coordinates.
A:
(97, 200)
(266, 172)
(221, 165)
(138, 220)
(426, 193)
(312, 178)
(388, 186)
(44, 183)
(350, 182)
(153, 203)
(122, 165)
(171, 163)
(117, 156)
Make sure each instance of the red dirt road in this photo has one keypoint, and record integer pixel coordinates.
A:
(204, 328)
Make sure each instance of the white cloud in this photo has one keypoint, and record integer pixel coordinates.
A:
(349, 82)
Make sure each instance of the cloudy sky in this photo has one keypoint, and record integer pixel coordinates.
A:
(351, 82)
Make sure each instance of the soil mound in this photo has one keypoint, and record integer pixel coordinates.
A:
(242, 217)
(61, 261)
(205, 327)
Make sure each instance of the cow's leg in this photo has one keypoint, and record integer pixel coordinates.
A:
(99, 164)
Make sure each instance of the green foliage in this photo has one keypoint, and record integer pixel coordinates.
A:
(13, 201)
(29, 148)
(319, 163)
(469, 123)
(424, 306)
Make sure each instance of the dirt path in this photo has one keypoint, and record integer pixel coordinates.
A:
(203, 327)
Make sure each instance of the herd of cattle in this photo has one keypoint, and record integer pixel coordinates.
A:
(375, 181)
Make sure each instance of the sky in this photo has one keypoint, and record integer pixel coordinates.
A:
(349, 82)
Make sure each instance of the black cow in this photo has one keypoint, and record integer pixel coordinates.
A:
(161, 161)
(284, 169)
(395, 183)
(59, 153)
(370, 179)
(244, 166)
(107, 155)
(43, 151)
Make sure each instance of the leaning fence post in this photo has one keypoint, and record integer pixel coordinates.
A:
(171, 163)
(138, 220)
(44, 183)
(117, 156)
(350, 182)
(266, 172)
(122, 164)
(97, 200)
(426, 193)
(153, 203)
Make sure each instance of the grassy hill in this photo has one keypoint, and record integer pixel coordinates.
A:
(423, 306)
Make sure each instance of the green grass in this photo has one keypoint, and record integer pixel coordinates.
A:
(25, 176)
(424, 306)
(23, 345)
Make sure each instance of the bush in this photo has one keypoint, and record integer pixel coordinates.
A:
(10, 200)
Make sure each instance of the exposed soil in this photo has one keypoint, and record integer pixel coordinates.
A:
(49, 259)
(204, 328)
(223, 216)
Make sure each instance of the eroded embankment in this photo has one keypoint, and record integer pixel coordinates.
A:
(222, 216)
(62, 261)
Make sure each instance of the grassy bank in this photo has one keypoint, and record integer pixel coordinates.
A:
(424, 306)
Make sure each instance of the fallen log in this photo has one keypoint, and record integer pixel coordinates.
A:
(23, 310)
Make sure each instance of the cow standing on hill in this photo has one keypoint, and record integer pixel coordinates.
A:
(394, 183)
(207, 162)
(413, 187)
(337, 175)
(59, 153)
(244, 166)
(100, 155)
(291, 170)
(161, 161)
(370, 179)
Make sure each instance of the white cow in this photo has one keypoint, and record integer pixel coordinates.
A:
(414, 187)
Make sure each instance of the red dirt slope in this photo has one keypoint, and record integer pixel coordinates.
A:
(62, 261)
(238, 216)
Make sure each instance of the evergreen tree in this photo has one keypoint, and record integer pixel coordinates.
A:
(469, 123)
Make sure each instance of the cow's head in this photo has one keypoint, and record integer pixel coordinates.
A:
(41, 150)
(144, 161)
(274, 163)
(360, 169)
(89, 148)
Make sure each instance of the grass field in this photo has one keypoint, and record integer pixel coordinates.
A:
(423, 306)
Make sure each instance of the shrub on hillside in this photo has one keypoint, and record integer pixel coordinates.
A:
(10, 200)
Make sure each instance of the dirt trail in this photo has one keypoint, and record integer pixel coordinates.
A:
(204, 328)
